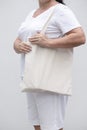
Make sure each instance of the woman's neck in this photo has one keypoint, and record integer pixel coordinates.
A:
(45, 5)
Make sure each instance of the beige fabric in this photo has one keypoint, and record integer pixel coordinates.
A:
(41, 72)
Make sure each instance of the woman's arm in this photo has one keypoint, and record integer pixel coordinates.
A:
(21, 47)
(73, 38)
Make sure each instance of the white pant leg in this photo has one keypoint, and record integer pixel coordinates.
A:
(49, 108)
(32, 109)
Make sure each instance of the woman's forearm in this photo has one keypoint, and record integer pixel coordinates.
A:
(68, 41)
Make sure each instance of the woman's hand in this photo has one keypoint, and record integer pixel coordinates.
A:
(73, 38)
(40, 39)
(21, 47)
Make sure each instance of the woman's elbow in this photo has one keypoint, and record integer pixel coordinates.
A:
(81, 36)
(84, 39)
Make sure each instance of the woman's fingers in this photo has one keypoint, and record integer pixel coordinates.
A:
(25, 48)
(39, 39)
(33, 39)
(36, 37)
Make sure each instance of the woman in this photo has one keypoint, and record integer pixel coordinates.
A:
(47, 109)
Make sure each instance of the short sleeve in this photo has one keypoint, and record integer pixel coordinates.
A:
(66, 19)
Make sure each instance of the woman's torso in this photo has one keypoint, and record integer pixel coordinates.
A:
(60, 59)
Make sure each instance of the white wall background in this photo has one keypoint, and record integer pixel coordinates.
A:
(13, 106)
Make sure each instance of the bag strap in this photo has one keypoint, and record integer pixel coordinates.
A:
(47, 22)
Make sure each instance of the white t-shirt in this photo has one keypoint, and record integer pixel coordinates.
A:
(62, 21)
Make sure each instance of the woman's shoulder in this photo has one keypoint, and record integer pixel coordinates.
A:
(62, 9)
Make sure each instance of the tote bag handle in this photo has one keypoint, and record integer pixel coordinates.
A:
(47, 22)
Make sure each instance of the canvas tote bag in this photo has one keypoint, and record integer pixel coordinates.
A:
(37, 72)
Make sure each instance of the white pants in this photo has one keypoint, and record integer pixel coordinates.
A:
(46, 109)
